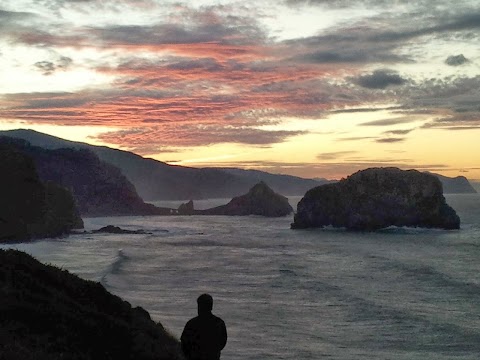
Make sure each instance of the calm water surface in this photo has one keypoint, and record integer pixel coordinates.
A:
(304, 294)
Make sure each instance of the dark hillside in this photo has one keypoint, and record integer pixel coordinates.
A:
(99, 189)
(30, 208)
(48, 313)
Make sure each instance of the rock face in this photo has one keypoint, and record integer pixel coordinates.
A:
(110, 229)
(99, 189)
(376, 198)
(51, 314)
(29, 208)
(186, 208)
(260, 200)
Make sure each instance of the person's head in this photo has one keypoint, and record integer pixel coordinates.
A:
(205, 304)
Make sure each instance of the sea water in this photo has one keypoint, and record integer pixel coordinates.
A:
(295, 294)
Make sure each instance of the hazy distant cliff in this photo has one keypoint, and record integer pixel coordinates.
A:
(456, 185)
(48, 313)
(156, 180)
(30, 208)
(377, 198)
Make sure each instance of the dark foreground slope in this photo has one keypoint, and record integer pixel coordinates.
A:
(99, 189)
(47, 313)
(30, 208)
(376, 198)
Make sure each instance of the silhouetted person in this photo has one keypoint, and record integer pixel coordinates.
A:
(204, 336)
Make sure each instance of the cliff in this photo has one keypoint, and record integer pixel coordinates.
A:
(99, 189)
(30, 208)
(456, 185)
(156, 180)
(48, 313)
(377, 198)
(260, 200)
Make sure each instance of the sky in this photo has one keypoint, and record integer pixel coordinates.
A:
(313, 88)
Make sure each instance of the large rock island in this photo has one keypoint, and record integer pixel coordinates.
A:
(48, 313)
(377, 198)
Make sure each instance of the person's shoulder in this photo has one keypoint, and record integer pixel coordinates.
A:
(192, 321)
(218, 319)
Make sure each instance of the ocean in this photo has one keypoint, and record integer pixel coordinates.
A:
(294, 294)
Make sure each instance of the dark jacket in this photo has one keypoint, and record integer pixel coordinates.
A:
(204, 337)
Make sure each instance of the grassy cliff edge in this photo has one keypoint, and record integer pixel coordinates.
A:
(49, 313)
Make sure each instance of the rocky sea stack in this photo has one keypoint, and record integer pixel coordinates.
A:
(377, 198)
(48, 313)
(260, 200)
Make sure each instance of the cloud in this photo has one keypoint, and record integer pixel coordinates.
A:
(166, 120)
(350, 56)
(336, 3)
(386, 37)
(389, 122)
(87, 6)
(398, 132)
(389, 140)
(167, 136)
(200, 75)
(454, 98)
(335, 155)
(355, 138)
(364, 110)
(209, 31)
(344, 46)
(380, 79)
(456, 60)
(14, 16)
(208, 25)
(48, 67)
(14, 22)
(443, 25)
(462, 121)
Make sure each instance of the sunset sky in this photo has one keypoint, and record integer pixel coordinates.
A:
(314, 88)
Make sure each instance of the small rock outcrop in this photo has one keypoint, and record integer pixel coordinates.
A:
(110, 229)
(186, 208)
(30, 208)
(377, 198)
(260, 200)
(48, 313)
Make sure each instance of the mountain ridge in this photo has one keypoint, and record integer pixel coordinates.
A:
(157, 180)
